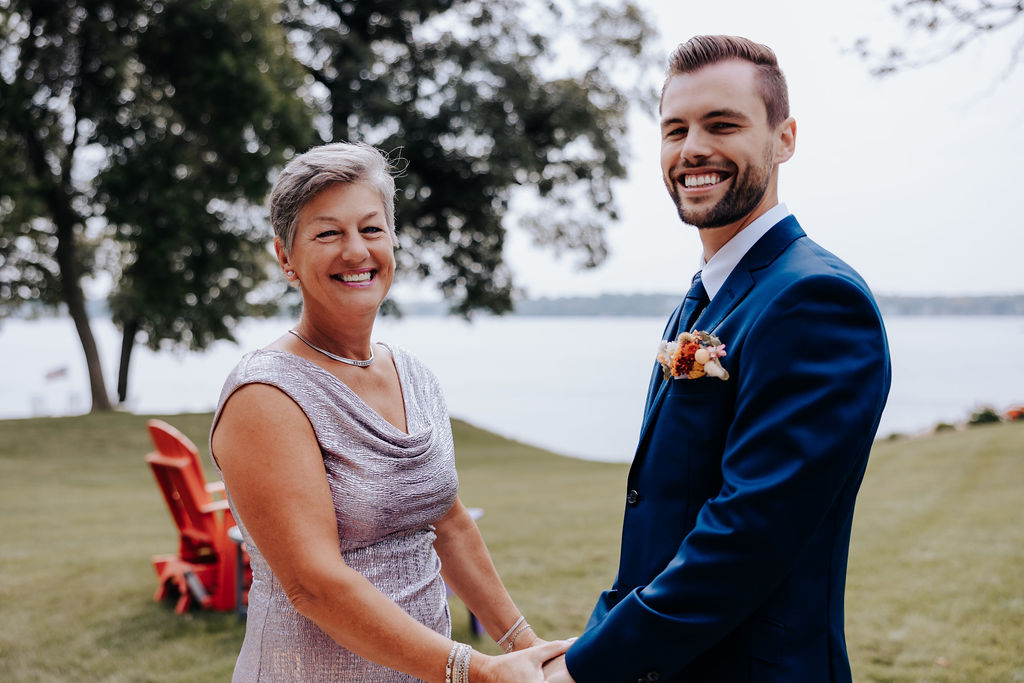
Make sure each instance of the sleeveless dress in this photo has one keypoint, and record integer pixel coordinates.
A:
(388, 488)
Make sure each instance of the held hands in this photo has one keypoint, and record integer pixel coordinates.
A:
(524, 665)
(555, 671)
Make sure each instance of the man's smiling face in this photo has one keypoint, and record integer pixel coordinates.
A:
(718, 154)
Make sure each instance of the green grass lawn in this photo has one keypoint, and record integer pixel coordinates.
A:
(936, 584)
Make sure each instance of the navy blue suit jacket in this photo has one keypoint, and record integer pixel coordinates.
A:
(741, 494)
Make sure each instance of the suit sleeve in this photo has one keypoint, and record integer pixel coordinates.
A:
(812, 377)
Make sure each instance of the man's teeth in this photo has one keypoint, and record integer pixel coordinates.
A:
(699, 180)
(357, 277)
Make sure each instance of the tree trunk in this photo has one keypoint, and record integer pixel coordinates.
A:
(75, 300)
(65, 219)
(127, 344)
(340, 111)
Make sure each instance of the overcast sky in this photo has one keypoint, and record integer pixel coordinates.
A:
(913, 179)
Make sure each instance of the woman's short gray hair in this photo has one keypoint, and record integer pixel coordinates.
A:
(314, 171)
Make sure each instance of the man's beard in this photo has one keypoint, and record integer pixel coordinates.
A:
(744, 195)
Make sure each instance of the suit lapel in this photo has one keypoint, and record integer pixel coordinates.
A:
(657, 377)
(739, 283)
(735, 288)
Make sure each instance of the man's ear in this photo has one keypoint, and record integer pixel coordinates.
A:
(785, 140)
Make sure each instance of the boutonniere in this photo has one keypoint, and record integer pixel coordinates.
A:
(692, 355)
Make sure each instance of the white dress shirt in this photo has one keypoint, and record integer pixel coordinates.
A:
(715, 272)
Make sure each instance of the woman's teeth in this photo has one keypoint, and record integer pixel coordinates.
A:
(357, 277)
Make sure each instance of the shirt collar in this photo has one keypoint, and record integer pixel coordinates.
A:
(714, 273)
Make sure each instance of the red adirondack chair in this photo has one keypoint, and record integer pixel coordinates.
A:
(169, 441)
(205, 568)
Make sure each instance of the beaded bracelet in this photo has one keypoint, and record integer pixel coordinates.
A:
(501, 641)
(462, 664)
(457, 668)
(510, 645)
(448, 666)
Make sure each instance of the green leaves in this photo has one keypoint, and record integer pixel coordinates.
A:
(149, 128)
(483, 100)
(139, 136)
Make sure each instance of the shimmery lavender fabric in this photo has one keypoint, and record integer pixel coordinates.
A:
(388, 489)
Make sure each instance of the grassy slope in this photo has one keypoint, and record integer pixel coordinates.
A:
(935, 590)
(935, 573)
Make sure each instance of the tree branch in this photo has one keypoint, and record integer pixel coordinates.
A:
(953, 27)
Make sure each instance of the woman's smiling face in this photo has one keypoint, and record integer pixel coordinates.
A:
(342, 253)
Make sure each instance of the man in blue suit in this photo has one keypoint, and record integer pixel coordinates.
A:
(740, 498)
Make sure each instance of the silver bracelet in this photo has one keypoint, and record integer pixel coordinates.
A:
(511, 644)
(448, 666)
(501, 641)
(462, 663)
(457, 668)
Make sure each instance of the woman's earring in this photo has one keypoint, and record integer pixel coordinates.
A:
(289, 274)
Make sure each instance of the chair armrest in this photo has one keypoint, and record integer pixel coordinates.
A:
(215, 506)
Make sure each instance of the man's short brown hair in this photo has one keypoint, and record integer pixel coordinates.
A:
(701, 51)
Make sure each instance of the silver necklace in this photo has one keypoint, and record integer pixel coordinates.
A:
(334, 356)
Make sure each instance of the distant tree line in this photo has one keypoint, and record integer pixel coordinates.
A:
(664, 304)
(952, 305)
(656, 305)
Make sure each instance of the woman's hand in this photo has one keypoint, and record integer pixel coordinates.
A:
(555, 671)
(523, 666)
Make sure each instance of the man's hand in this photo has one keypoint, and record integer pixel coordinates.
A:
(555, 671)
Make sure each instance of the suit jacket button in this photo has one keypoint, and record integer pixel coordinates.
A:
(632, 497)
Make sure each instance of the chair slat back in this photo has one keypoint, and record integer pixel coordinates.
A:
(170, 441)
(201, 529)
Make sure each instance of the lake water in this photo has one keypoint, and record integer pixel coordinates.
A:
(573, 385)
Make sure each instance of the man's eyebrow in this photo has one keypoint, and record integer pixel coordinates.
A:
(713, 114)
(725, 114)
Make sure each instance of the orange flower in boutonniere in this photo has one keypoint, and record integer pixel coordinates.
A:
(692, 355)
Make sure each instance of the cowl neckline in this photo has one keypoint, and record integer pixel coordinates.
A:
(395, 442)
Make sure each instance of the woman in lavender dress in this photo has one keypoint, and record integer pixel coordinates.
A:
(338, 461)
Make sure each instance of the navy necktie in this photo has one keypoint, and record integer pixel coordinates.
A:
(695, 301)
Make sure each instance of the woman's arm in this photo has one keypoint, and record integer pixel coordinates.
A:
(467, 567)
(273, 469)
